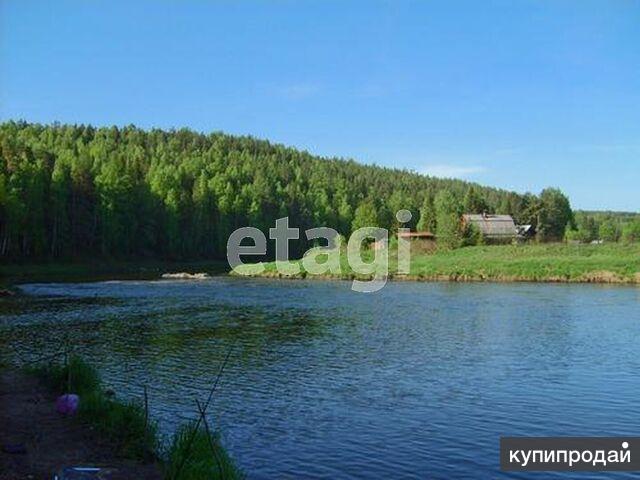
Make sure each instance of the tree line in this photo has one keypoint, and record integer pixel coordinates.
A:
(608, 227)
(77, 190)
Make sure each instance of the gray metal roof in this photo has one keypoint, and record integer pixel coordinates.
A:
(492, 226)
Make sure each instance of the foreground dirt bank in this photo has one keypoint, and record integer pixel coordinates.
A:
(28, 419)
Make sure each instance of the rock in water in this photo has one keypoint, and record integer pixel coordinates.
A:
(67, 404)
(87, 473)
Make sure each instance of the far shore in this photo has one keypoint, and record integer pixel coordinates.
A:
(85, 270)
(551, 263)
(547, 263)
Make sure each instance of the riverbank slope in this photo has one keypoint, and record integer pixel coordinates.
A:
(50, 441)
(104, 431)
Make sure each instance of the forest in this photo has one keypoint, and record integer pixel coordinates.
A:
(607, 227)
(77, 191)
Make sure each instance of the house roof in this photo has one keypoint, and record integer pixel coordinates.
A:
(522, 229)
(496, 226)
(424, 234)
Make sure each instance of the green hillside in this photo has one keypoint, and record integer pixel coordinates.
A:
(75, 190)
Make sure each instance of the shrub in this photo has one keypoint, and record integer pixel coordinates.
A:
(196, 455)
(123, 423)
(74, 377)
(631, 232)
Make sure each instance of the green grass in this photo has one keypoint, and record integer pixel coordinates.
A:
(74, 377)
(608, 263)
(123, 423)
(127, 426)
(543, 262)
(195, 455)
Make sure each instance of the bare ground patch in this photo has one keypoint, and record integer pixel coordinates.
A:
(28, 417)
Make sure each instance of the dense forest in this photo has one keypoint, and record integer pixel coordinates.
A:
(75, 190)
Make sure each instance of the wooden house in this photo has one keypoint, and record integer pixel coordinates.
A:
(494, 228)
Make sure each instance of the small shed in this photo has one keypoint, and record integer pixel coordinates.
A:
(499, 228)
(424, 241)
(426, 236)
(420, 241)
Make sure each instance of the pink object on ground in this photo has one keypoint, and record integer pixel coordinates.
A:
(67, 404)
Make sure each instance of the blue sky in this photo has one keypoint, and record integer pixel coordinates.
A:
(516, 94)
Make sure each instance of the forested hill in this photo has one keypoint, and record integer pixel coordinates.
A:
(68, 190)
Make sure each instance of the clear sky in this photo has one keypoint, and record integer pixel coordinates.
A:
(516, 94)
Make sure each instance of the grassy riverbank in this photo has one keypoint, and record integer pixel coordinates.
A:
(609, 263)
(193, 453)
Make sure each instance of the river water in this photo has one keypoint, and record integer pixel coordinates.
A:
(418, 380)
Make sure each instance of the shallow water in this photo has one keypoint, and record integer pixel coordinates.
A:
(419, 380)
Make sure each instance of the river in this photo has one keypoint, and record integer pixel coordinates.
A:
(418, 380)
